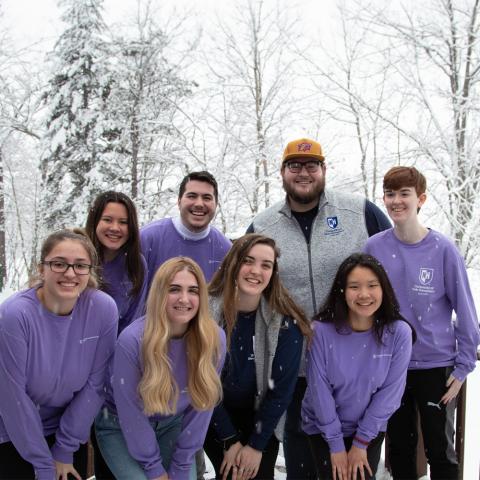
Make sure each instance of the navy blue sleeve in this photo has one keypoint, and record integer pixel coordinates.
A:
(250, 229)
(221, 423)
(375, 219)
(286, 364)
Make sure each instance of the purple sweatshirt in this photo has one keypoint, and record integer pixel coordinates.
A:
(430, 282)
(161, 241)
(118, 286)
(138, 433)
(52, 371)
(354, 383)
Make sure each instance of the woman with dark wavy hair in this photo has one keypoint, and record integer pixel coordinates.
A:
(265, 331)
(356, 370)
(112, 226)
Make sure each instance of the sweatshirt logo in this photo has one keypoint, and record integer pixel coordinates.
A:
(332, 222)
(426, 276)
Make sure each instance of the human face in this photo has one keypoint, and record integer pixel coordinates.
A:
(303, 188)
(60, 291)
(197, 205)
(182, 301)
(363, 295)
(254, 275)
(112, 229)
(402, 205)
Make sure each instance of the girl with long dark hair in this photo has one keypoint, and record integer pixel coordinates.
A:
(356, 370)
(112, 226)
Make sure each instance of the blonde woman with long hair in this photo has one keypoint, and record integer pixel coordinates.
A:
(165, 380)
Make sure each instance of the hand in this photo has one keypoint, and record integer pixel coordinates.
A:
(339, 465)
(161, 477)
(229, 461)
(248, 462)
(63, 469)
(357, 460)
(454, 385)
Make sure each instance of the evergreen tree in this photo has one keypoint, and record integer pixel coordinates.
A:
(76, 99)
(145, 95)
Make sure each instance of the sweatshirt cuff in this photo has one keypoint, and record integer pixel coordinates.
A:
(460, 373)
(360, 442)
(258, 443)
(336, 445)
(175, 473)
(156, 471)
(45, 474)
(60, 454)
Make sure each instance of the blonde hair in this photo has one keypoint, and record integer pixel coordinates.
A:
(158, 388)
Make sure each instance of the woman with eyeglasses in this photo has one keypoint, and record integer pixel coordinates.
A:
(56, 339)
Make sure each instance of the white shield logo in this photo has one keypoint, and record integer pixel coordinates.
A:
(332, 222)
(426, 276)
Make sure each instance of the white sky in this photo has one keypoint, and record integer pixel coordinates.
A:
(32, 20)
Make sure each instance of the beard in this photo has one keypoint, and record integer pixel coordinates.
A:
(305, 198)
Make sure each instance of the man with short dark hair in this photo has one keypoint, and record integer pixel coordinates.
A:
(191, 234)
(315, 229)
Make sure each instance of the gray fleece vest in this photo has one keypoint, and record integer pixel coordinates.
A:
(267, 328)
(308, 270)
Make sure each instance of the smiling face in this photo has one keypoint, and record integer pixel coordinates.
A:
(60, 291)
(402, 205)
(112, 229)
(363, 295)
(254, 275)
(303, 188)
(197, 205)
(182, 301)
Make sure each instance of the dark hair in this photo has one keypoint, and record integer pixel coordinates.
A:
(223, 284)
(336, 309)
(398, 177)
(132, 246)
(59, 236)
(202, 176)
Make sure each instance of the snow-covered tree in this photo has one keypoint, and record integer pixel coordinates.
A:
(253, 75)
(76, 99)
(146, 93)
(18, 163)
(435, 77)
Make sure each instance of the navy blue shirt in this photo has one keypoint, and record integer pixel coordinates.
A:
(376, 221)
(239, 379)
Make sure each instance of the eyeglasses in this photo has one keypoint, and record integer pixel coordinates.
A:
(310, 165)
(58, 266)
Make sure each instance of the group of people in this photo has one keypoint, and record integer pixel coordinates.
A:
(323, 327)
